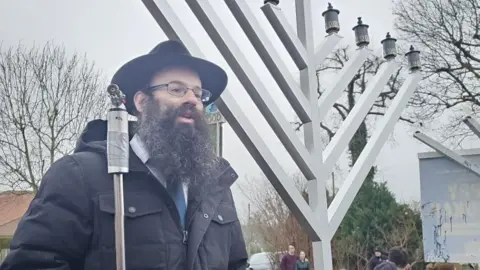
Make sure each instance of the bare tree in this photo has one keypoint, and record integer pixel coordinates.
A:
(348, 253)
(271, 221)
(402, 234)
(274, 227)
(448, 34)
(46, 97)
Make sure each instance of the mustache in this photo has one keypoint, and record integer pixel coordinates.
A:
(188, 109)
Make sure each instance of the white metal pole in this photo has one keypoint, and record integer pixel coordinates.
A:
(334, 92)
(287, 35)
(355, 117)
(326, 47)
(344, 198)
(473, 125)
(270, 56)
(322, 250)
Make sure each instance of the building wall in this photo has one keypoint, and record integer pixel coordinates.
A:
(7, 229)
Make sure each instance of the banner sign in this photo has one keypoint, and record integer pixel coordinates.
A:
(450, 208)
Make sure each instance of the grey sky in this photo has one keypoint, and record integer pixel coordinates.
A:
(112, 32)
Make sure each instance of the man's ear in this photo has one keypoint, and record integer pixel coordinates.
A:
(140, 98)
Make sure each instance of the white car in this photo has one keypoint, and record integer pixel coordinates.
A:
(260, 261)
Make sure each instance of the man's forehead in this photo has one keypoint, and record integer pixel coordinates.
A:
(178, 74)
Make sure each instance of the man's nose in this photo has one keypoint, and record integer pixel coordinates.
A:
(191, 98)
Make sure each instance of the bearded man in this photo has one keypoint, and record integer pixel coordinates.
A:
(179, 208)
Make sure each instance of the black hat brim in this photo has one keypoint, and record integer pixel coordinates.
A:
(136, 74)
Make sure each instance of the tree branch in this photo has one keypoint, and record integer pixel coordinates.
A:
(48, 97)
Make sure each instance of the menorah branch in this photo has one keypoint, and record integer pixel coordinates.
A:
(272, 169)
(473, 125)
(268, 53)
(286, 34)
(344, 198)
(355, 117)
(326, 47)
(333, 93)
(253, 84)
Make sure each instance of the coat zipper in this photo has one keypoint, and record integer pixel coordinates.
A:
(185, 230)
(185, 237)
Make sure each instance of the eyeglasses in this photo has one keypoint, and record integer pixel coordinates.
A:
(179, 90)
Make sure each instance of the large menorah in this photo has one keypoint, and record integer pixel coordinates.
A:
(314, 162)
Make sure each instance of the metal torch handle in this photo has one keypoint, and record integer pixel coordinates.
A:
(118, 154)
(119, 221)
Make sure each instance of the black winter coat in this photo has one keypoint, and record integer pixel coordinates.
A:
(70, 222)
(374, 261)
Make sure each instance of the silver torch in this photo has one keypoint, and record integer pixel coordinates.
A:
(117, 158)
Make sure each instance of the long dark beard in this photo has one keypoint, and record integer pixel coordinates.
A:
(184, 152)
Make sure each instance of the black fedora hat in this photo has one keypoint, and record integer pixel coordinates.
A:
(136, 74)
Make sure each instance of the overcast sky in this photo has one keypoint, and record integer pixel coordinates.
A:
(112, 32)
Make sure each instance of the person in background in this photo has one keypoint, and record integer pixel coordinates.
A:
(375, 260)
(397, 260)
(289, 260)
(302, 262)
